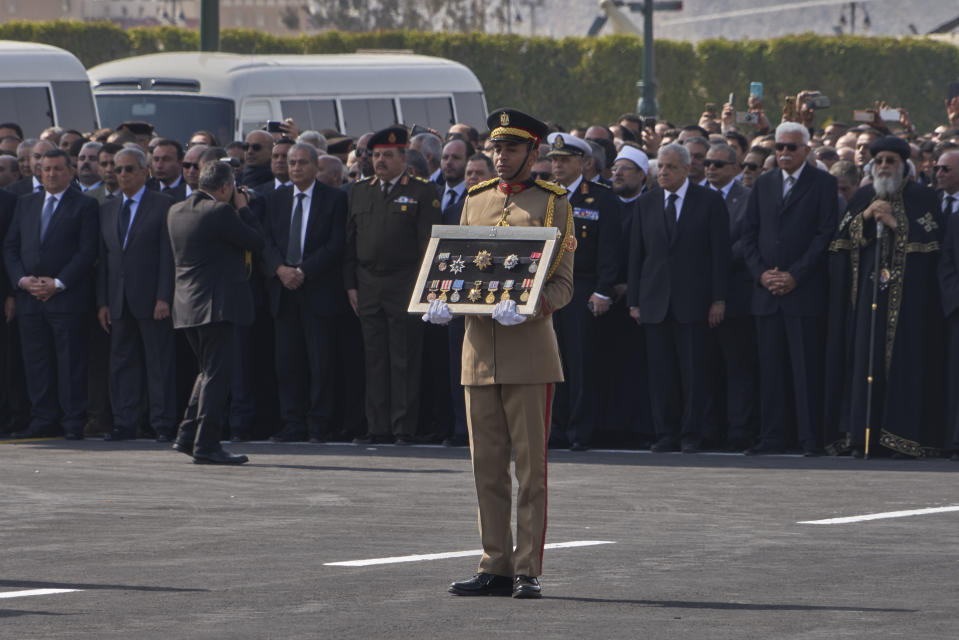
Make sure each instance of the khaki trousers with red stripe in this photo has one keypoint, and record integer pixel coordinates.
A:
(505, 418)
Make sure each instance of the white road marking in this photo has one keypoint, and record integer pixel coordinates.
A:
(453, 554)
(34, 592)
(882, 516)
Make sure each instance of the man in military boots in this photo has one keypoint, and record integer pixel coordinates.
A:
(597, 230)
(388, 228)
(510, 362)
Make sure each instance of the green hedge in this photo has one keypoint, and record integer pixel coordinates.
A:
(576, 81)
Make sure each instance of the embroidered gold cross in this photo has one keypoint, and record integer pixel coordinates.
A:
(928, 222)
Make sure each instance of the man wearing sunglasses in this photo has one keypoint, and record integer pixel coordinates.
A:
(259, 152)
(946, 173)
(790, 220)
(191, 167)
(736, 335)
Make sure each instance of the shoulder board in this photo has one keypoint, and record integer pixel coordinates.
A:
(424, 180)
(483, 186)
(601, 185)
(551, 186)
(366, 179)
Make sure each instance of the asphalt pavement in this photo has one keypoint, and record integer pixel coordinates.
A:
(131, 540)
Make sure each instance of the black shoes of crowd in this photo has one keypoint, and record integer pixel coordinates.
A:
(489, 584)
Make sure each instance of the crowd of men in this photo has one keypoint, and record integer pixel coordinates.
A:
(737, 287)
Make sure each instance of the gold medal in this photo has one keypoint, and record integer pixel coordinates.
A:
(527, 284)
(444, 287)
(490, 298)
(524, 296)
(492, 285)
(483, 259)
(476, 292)
(507, 286)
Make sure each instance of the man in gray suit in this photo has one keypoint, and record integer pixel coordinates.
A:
(134, 292)
(736, 334)
(213, 233)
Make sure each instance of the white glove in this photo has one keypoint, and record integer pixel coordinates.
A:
(438, 313)
(505, 313)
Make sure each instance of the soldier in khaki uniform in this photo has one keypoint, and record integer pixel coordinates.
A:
(509, 364)
(387, 231)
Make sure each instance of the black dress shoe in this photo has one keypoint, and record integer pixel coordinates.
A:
(763, 450)
(73, 435)
(403, 441)
(457, 440)
(526, 587)
(118, 434)
(810, 452)
(578, 446)
(690, 446)
(288, 435)
(183, 446)
(318, 439)
(857, 453)
(163, 438)
(369, 438)
(736, 446)
(664, 445)
(483, 584)
(219, 456)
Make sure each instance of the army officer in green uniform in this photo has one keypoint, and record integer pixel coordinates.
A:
(387, 231)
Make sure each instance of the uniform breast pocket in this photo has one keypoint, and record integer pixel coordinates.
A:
(403, 209)
(364, 218)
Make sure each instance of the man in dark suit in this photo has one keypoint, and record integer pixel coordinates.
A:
(212, 234)
(168, 170)
(946, 171)
(578, 325)
(444, 408)
(790, 220)
(303, 259)
(736, 335)
(49, 252)
(678, 267)
(32, 183)
(278, 167)
(134, 292)
(11, 391)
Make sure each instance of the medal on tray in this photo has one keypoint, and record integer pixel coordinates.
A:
(533, 258)
(444, 259)
(527, 285)
(457, 285)
(434, 286)
(483, 260)
(444, 287)
(493, 285)
(476, 292)
(507, 287)
(510, 262)
(457, 265)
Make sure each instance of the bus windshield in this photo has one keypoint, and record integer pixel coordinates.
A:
(167, 114)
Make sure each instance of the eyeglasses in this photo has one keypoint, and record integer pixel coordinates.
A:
(719, 164)
(252, 146)
(750, 166)
(792, 146)
(942, 167)
(541, 175)
(883, 160)
(126, 168)
(191, 165)
(361, 152)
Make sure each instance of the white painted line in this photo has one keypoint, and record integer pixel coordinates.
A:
(882, 516)
(453, 554)
(34, 592)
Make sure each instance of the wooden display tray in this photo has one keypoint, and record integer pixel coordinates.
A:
(466, 242)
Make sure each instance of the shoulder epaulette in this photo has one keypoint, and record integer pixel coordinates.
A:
(366, 179)
(420, 179)
(483, 186)
(599, 184)
(551, 186)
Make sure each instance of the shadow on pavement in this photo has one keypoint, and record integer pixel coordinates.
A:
(731, 606)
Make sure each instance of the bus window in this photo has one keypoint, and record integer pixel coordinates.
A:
(435, 113)
(311, 114)
(27, 106)
(74, 105)
(367, 114)
(471, 109)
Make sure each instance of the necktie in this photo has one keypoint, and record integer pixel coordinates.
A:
(949, 203)
(123, 222)
(48, 208)
(386, 189)
(294, 252)
(671, 216)
(450, 199)
(110, 196)
(790, 181)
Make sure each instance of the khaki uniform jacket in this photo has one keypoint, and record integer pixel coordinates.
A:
(526, 353)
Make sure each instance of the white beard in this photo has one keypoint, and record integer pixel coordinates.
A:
(886, 186)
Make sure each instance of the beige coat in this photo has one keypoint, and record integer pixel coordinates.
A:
(526, 353)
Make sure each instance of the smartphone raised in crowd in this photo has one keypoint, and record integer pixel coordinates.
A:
(756, 89)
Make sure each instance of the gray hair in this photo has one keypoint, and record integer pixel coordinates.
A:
(314, 138)
(730, 152)
(93, 144)
(599, 156)
(305, 146)
(682, 153)
(214, 175)
(430, 145)
(792, 127)
(136, 152)
(27, 144)
(696, 140)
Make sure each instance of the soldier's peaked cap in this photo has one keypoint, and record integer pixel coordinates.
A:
(511, 125)
(390, 137)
